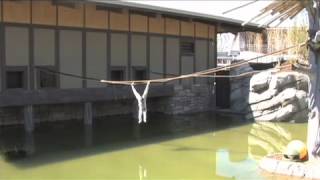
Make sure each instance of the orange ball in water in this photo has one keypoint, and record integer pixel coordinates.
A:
(296, 151)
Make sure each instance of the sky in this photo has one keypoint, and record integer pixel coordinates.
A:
(217, 7)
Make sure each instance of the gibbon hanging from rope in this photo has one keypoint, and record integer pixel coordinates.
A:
(142, 99)
(142, 102)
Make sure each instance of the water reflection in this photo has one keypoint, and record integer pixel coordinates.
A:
(142, 173)
(263, 138)
(243, 169)
(269, 138)
(199, 146)
(109, 134)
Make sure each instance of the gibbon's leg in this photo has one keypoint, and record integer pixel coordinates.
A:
(144, 102)
(145, 116)
(139, 100)
(140, 115)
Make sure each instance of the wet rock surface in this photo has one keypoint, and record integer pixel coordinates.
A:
(283, 98)
(271, 95)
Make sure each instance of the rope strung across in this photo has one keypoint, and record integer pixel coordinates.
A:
(204, 73)
(141, 99)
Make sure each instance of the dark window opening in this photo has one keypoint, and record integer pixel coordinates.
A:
(14, 79)
(187, 47)
(223, 90)
(140, 74)
(117, 75)
(65, 3)
(47, 80)
(109, 8)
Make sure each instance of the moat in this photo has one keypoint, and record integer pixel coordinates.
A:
(198, 146)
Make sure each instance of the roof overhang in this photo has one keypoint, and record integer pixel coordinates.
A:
(224, 24)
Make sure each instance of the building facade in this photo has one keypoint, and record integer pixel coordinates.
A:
(98, 39)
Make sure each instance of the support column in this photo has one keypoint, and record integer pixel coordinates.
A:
(88, 135)
(88, 124)
(88, 113)
(313, 136)
(28, 118)
(215, 64)
(29, 144)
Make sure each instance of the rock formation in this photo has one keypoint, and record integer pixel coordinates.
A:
(278, 96)
(239, 89)
(272, 95)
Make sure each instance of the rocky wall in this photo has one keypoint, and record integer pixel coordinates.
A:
(278, 96)
(197, 98)
(271, 95)
(239, 93)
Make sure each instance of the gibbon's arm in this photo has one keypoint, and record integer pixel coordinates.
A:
(136, 94)
(146, 90)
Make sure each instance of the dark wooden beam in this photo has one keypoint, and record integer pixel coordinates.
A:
(20, 97)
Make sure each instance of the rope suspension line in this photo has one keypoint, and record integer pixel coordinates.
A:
(232, 76)
(204, 73)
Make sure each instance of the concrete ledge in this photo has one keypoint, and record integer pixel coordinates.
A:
(20, 97)
(275, 164)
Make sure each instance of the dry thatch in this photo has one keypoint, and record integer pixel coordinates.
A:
(280, 10)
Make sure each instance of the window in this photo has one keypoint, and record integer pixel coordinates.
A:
(14, 79)
(187, 47)
(109, 8)
(46, 79)
(68, 4)
(140, 74)
(117, 75)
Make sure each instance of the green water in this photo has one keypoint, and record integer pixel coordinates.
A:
(191, 147)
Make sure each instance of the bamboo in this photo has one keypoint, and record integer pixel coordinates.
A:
(282, 15)
(281, 5)
(271, 20)
(255, 17)
(296, 13)
(286, 9)
(272, 6)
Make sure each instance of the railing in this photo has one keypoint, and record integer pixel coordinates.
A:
(227, 60)
(224, 61)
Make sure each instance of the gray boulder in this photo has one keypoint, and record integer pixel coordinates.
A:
(260, 82)
(278, 96)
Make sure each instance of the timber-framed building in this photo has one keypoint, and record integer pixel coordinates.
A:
(111, 40)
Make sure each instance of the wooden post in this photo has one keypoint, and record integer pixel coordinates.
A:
(313, 139)
(88, 124)
(88, 135)
(88, 113)
(29, 144)
(28, 118)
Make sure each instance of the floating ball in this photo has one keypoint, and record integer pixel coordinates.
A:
(296, 151)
